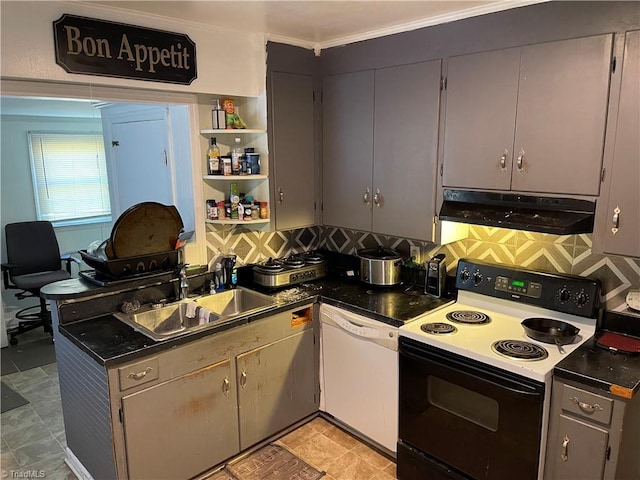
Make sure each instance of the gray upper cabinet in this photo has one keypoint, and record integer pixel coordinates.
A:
(551, 140)
(482, 93)
(618, 225)
(293, 150)
(405, 149)
(347, 155)
(380, 133)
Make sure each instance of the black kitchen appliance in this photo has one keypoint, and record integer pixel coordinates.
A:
(474, 388)
(560, 216)
(436, 275)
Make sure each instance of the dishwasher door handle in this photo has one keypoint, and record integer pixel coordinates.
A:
(356, 329)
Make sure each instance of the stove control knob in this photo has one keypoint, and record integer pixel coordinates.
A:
(564, 294)
(465, 275)
(477, 277)
(582, 298)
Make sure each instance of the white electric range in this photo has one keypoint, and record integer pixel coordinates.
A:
(479, 374)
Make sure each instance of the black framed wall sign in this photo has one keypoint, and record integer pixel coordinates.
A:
(97, 47)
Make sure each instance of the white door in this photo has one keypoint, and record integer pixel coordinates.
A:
(141, 163)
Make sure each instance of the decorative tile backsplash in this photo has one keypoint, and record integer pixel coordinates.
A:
(552, 253)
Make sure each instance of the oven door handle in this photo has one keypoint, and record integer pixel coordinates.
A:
(453, 364)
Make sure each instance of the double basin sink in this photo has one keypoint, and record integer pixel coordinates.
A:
(188, 315)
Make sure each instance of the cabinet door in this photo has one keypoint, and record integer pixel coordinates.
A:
(625, 178)
(584, 448)
(482, 92)
(347, 157)
(293, 150)
(182, 427)
(562, 107)
(276, 386)
(405, 149)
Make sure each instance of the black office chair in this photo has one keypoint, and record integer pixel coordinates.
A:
(33, 261)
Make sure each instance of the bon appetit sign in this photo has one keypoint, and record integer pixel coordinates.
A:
(96, 47)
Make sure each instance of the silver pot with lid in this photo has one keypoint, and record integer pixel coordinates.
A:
(380, 266)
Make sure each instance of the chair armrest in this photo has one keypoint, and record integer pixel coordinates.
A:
(5, 274)
(68, 258)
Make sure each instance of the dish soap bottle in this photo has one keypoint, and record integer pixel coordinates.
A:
(213, 158)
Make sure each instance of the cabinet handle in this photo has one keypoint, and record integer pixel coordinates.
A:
(139, 375)
(280, 196)
(225, 386)
(243, 379)
(616, 220)
(520, 160)
(365, 197)
(377, 197)
(565, 446)
(503, 159)
(585, 406)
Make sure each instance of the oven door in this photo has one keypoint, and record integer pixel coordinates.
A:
(461, 418)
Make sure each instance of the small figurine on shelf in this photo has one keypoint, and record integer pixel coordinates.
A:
(233, 120)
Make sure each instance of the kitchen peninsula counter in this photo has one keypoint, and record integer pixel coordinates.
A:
(110, 341)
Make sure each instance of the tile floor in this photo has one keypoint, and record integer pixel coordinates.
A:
(33, 438)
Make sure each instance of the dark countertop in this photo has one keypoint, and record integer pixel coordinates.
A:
(110, 342)
(612, 372)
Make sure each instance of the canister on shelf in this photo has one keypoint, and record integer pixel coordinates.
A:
(212, 210)
(221, 211)
(226, 164)
(264, 210)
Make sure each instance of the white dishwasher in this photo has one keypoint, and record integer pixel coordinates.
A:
(359, 377)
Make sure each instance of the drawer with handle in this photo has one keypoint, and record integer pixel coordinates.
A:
(586, 404)
(138, 373)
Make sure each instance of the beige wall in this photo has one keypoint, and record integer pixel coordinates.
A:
(235, 67)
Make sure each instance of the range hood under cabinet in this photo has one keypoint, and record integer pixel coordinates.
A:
(544, 214)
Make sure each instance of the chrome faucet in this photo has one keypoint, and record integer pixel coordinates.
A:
(184, 282)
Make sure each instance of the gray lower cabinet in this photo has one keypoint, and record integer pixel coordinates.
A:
(592, 434)
(275, 387)
(181, 427)
(380, 137)
(185, 410)
(528, 119)
(617, 229)
(292, 150)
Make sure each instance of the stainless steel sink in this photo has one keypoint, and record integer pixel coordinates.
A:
(172, 320)
(232, 303)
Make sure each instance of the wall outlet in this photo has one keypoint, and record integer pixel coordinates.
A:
(414, 251)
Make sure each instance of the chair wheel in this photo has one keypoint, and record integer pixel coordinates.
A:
(13, 341)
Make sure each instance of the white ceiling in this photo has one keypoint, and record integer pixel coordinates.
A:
(319, 24)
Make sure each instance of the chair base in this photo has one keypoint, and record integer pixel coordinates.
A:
(30, 321)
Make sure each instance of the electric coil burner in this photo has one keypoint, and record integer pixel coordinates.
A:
(469, 317)
(438, 328)
(297, 268)
(519, 350)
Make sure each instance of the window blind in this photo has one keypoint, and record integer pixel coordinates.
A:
(69, 176)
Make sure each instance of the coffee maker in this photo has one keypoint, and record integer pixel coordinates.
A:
(436, 276)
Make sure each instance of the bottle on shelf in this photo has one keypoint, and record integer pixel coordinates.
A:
(213, 158)
(237, 154)
(219, 121)
(234, 199)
